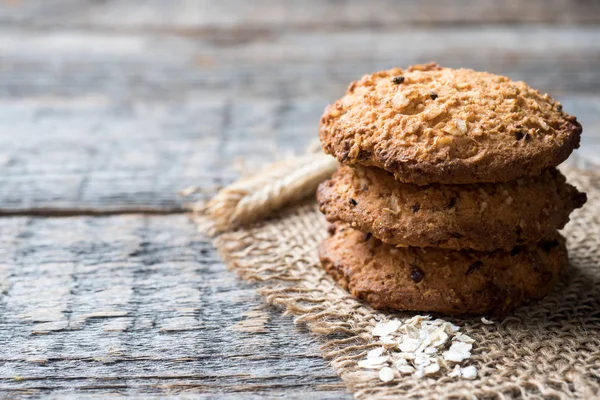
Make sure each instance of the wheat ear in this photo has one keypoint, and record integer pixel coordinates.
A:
(257, 196)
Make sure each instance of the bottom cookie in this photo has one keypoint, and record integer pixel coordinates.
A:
(439, 280)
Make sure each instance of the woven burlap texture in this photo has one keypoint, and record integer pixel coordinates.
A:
(549, 349)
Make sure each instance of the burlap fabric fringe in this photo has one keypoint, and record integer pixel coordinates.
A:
(549, 349)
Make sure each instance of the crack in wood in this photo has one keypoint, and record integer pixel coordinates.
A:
(50, 212)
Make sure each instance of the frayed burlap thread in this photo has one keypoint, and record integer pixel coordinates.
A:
(547, 349)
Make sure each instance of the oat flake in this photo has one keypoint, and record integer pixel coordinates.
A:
(419, 346)
(386, 374)
(469, 372)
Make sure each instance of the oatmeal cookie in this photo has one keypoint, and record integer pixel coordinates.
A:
(429, 124)
(438, 280)
(483, 216)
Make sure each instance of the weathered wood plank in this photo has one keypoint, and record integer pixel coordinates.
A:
(140, 304)
(73, 156)
(290, 64)
(199, 16)
(78, 155)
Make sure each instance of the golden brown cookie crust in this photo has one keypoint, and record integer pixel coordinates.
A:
(444, 281)
(431, 124)
(482, 216)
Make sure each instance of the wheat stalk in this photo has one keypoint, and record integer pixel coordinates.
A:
(257, 196)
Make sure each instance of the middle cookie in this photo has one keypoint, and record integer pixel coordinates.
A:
(484, 216)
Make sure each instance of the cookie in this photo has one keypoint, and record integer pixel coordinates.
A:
(438, 280)
(483, 216)
(429, 124)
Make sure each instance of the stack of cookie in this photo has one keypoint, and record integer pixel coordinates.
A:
(448, 199)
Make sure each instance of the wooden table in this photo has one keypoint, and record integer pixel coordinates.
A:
(108, 108)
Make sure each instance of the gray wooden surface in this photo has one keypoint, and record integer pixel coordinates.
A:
(108, 108)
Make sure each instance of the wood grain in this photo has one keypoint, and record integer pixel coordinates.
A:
(140, 304)
(78, 155)
(204, 16)
(127, 66)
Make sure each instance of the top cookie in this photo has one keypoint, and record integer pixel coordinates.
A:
(429, 124)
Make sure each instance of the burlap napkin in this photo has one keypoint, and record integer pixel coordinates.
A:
(549, 349)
